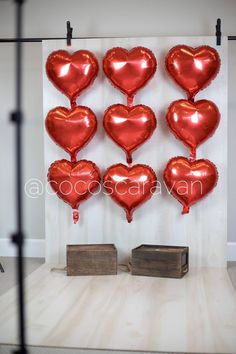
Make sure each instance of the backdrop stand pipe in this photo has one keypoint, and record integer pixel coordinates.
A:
(18, 236)
(35, 40)
(68, 38)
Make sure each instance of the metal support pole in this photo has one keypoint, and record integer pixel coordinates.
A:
(18, 237)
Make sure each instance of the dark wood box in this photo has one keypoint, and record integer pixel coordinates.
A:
(160, 261)
(98, 259)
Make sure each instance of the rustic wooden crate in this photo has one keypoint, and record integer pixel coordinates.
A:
(160, 261)
(99, 259)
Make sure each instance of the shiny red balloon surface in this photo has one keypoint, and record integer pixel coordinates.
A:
(72, 128)
(130, 187)
(193, 68)
(129, 127)
(74, 182)
(190, 181)
(193, 122)
(130, 70)
(72, 73)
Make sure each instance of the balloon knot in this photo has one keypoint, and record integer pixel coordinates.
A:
(185, 209)
(73, 103)
(130, 101)
(73, 158)
(129, 158)
(192, 156)
(75, 216)
(191, 99)
(129, 216)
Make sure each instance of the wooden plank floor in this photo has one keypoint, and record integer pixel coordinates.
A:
(124, 312)
(8, 278)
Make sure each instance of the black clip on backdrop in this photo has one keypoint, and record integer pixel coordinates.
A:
(18, 236)
(69, 33)
(218, 31)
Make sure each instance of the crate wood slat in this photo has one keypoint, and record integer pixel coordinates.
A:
(99, 259)
(160, 261)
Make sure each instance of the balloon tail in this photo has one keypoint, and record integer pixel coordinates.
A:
(75, 216)
(191, 98)
(193, 154)
(185, 209)
(129, 216)
(73, 157)
(129, 158)
(73, 102)
(130, 101)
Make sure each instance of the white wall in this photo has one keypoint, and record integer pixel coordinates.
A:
(93, 18)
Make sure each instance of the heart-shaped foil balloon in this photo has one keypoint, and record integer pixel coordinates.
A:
(71, 128)
(129, 186)
(190, 181)
(129, 70)
(74, 182)
(193, 122)
(193, 68)
(72, 73)
(129, 127)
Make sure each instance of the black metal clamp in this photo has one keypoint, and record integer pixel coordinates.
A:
(69, 33)
(218, 32)
(16, 117)
(18, 238)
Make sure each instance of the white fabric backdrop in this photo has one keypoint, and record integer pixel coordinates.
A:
(159, 221)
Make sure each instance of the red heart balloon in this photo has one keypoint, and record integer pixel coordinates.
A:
(72, 128)
(189, 181)
(72, 73)
(129, 186)
(129, 70)
(129, 127)
(74, 182)
(193, 68)
(193, 122)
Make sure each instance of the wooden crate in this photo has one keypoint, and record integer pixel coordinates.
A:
(100, 259)
(160, 261)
